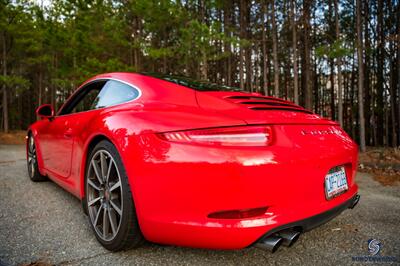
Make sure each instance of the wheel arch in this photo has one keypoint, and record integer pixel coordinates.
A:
(91, 142)
(94, 140)
(88, 148)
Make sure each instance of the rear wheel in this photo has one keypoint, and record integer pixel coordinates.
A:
(32, 163)
(109, 200)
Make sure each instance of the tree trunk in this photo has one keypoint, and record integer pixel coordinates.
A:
(204, 66)
(307, 55)
(136, 31)
(227, 45)
(5, 98)
(380, 73)
(249, 48)
(242, 37)
(345, 101)
(393, 102)
(264, 47)
(398, 71)
(40, 86)
(393, 78)
(54, 86)
(367, 64)
(294, 48)
(275, 51)
(331, 59)
(313, 62)
(339, 67)
(360, 76)
(332, 82)
(352, 96)
(314, 84)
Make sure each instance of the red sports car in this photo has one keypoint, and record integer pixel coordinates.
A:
(183, 162)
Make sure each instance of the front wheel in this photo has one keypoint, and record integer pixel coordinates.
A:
(32, 163)
(109, 200)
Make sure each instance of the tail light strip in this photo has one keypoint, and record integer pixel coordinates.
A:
(227, 136)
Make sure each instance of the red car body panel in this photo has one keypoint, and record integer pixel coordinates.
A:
(175, 186)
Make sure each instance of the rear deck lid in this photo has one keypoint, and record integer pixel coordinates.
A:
(256, 108)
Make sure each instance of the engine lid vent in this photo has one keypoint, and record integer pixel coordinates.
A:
(265, 103)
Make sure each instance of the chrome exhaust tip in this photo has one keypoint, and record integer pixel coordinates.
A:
(271, 243)
(289, 237)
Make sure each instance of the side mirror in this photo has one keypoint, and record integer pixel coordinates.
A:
(45, 111)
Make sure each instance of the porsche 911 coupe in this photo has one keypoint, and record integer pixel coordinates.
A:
(183, 162)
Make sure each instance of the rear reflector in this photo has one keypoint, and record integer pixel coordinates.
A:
(238, 214)
(227, 136)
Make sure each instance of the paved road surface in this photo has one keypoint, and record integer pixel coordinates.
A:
(42, 222)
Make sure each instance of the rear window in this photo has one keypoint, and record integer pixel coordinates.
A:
(198, 85)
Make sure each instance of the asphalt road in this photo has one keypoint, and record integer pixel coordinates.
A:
(42, 222)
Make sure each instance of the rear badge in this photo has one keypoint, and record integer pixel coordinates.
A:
(320, 132)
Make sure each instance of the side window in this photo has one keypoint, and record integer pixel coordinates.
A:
(115, 92)
(85, 100)
(100, 94)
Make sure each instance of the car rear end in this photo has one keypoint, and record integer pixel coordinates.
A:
(283, 170)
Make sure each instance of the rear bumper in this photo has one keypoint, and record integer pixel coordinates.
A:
(316, 220)
(236, 234)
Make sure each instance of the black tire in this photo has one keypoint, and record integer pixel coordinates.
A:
(107, 197)
(31, 160)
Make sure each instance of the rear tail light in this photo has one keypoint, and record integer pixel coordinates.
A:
(228, 136)
(238, 214)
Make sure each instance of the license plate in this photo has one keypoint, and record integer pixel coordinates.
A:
(335, 182)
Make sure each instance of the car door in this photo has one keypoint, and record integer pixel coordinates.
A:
(58, 134)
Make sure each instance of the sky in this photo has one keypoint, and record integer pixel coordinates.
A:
(43, 2)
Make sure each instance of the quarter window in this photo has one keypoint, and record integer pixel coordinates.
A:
(100, 94)
(115, 92)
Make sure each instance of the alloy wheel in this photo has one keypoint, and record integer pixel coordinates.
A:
(104, 195)
(32, 159)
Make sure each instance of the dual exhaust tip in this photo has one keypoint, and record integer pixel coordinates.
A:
(288, 237)
(272, 243)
